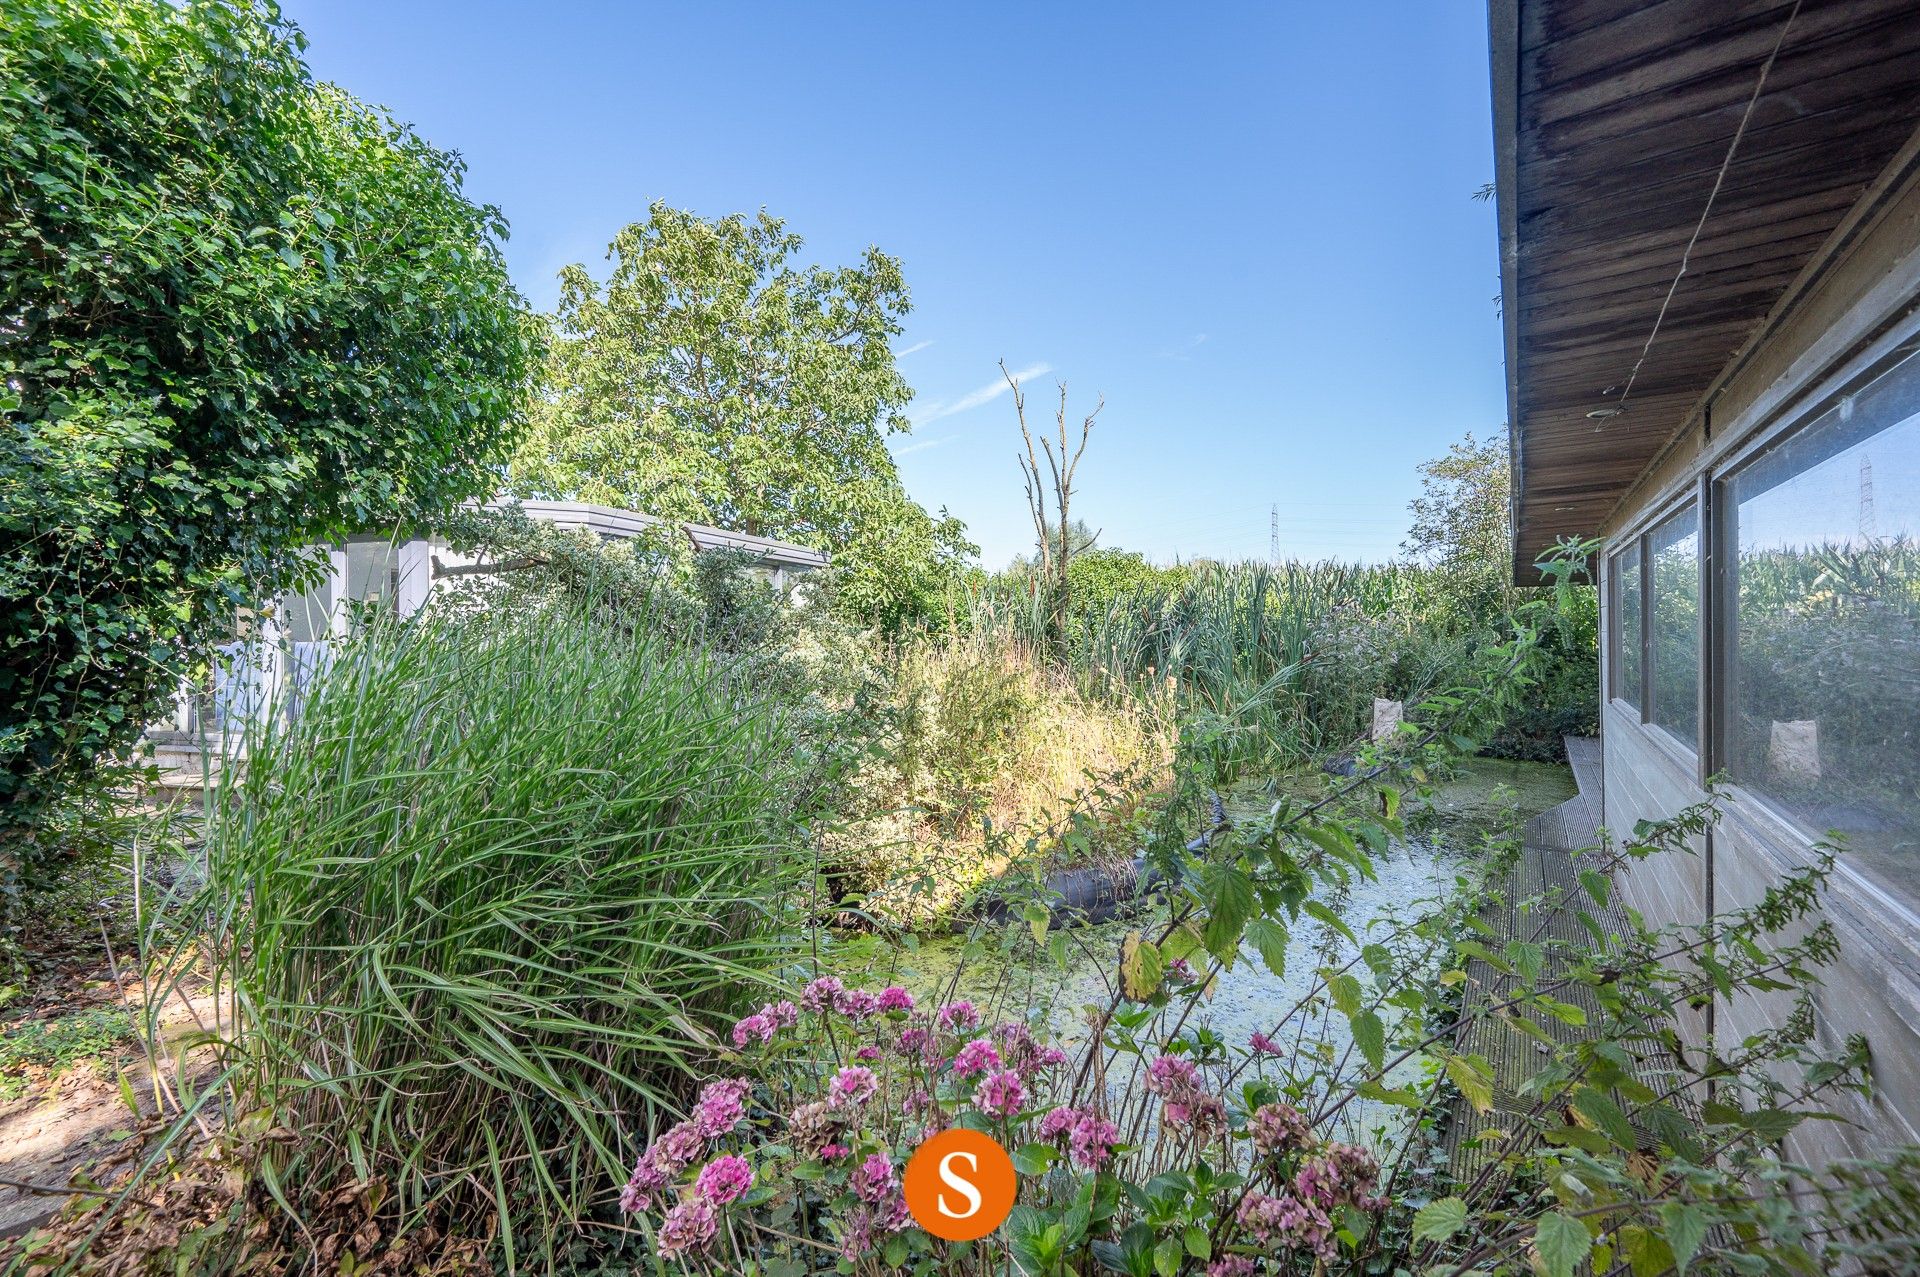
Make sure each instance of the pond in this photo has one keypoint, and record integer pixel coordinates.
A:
(1011, 977)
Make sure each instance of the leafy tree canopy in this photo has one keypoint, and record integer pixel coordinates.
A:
(712, 379)
(239, 312)
(1461, 522)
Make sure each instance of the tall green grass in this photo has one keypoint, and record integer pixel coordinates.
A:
(473, 909)
(1271, 662)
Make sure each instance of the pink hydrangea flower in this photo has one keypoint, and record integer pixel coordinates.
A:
(724, 1179)
(819, 994)
(1173, 1078)
(1206, 1114)
(722, 1105)
(1052, 1057)
(867, 1054)
(1231, 1266)
(894, 998)
(958, 1017)
(872, 1181)
(783, 1014)
(856, 1004)
(834, 1152)
(1091, 1141)
(851, 1087)
(1001, 1094)
(1287, 1221)
(687, 1229)
(917, 1043)
(754, 1027)
(643, 1188)
(1264, 1045)
(1058, 1123)
(1342, 1174)
(1280, 1128)
(676, 1149)
(977, 1056)
(1180, 971)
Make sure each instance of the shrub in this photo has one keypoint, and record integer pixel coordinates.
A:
(479, 900)
(242, 312)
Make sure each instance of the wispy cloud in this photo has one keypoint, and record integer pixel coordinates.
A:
(921, 445)
(1185, 349)
(975, 398)
(918, 345)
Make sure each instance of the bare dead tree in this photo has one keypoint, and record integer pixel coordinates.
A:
(1055, 487)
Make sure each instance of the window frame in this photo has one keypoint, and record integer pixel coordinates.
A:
(1617, 637)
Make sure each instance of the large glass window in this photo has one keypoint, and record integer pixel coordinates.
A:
(1673, 626)
(1627, 635)
(1824, 694)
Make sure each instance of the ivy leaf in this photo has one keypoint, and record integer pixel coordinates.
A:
(1437, 1221)
(1563, 1243)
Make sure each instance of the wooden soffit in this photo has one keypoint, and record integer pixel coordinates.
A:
(1613, 122)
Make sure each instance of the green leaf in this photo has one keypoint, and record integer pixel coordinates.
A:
(1034, 1159)
(1598, 1111)
(1686, 1228)
(1269, 939)
(1370, 1035)
(1230, 903)
(1437, 1221)
(1474, 1077)
(1140, 967)
(1198, 1244)
(1332, 919)
(1167, 1257)
(1346, 993)
(1598, 886)
(1563, 1243)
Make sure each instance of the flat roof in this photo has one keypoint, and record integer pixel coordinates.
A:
(1615, 126)
(613, 522)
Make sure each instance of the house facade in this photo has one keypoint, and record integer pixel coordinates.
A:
(1710, 266)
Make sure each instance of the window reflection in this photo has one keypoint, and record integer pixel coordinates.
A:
(1825, 689)
(1673, 556)
(1626, 576)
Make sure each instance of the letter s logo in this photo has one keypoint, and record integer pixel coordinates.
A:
(964, 1187)
(960, 1185)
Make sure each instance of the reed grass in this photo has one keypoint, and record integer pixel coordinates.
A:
(474, 906)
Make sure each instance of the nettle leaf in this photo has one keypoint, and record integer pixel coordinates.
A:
(1597, 885)
(1370, 1035)
(1269, 939)
(1141, 969)
(1346, 992)
(1686, 1228)
(1332, 919)
(1562, 1242)
(1598, 1111)
(1437, 1221)
(1230, 903)
(1474, 1076)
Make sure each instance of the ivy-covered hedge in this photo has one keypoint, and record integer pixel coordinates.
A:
(239, 311)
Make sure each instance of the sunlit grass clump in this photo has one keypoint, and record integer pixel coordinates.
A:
(476, 904)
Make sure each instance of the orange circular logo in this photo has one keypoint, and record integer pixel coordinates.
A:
(960, 1185)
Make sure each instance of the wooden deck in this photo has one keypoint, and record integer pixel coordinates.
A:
(1475, 1141)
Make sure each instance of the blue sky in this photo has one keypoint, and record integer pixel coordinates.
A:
(1250, 227)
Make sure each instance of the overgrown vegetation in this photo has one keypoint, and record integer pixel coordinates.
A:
(473, 910)
(51, 1047)
(239, 312)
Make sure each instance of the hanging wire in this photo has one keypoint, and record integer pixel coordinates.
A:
(1733, 148)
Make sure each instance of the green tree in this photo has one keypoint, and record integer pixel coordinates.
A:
(1462, 525)
(713, 379)
(238, 312)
